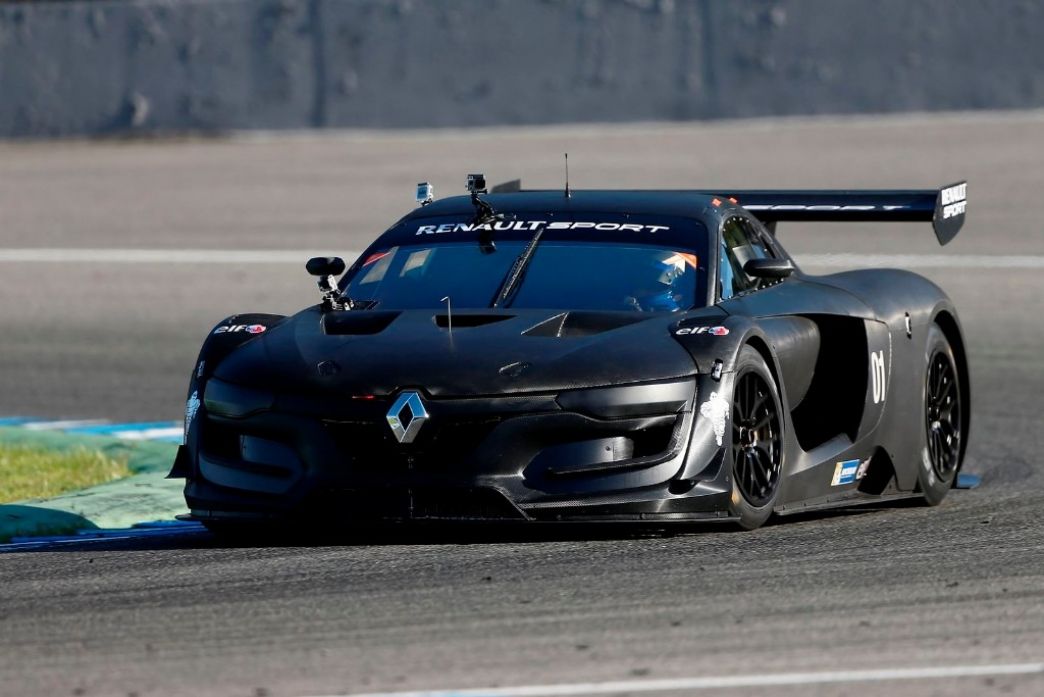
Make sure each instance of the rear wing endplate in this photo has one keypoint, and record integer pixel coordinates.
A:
(944, 207)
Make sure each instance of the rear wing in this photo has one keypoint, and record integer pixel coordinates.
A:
(944, 208)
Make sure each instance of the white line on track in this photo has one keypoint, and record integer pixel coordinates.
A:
(280, 256)
(723, 681)
(922, 261)
(160, 529)
(60, 425)
(18, 546)
(148, 433)
(164, 256)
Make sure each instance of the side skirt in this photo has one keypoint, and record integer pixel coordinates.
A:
(857, 500)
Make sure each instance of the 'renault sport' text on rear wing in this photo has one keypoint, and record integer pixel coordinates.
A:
(944, 208)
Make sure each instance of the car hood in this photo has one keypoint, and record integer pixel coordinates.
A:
(485, 353)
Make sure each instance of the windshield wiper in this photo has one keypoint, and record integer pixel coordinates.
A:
(518, 270)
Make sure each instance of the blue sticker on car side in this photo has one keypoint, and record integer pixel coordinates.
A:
(845, 472)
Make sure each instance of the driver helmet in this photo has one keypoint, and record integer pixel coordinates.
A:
(668, 272)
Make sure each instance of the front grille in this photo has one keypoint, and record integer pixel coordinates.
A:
(219, 440)
(476, 503)
(463, 504)
(440, 444)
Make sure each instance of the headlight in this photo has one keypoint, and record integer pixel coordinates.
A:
(648, 399)
(226, 399)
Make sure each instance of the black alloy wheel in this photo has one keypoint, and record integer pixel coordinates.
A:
(757, 444)
(943, 416)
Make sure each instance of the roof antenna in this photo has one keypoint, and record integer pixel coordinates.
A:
(568, 194)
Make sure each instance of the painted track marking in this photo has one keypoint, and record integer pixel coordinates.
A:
(922, 261)
(166, 528)
(164, 256)
(171, 431)
(60, 425)
(723, 681)
(164, 431)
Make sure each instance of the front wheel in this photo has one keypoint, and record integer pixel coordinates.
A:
(941, 454)
(757, 441)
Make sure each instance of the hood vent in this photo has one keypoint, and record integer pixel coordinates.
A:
(572, 324)
(357, 322)
(460, 321)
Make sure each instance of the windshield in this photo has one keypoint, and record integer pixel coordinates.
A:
(562, 274)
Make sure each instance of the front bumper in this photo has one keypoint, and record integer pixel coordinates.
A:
(503, 458)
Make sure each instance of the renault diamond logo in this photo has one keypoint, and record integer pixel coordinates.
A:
(406, 416)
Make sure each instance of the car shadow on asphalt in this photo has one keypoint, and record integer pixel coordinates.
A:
(428, 534)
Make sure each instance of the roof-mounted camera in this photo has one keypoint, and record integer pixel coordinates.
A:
(326, 270)
(425, 193)
(484, 212)
(477, 184)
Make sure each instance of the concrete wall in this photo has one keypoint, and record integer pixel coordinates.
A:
(113, 66)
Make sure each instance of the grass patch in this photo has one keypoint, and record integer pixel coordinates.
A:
(28, 472)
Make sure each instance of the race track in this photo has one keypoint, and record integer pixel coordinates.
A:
(112, 334)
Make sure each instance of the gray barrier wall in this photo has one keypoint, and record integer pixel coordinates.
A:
(115, 66)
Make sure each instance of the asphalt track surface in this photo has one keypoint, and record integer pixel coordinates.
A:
(899, 587)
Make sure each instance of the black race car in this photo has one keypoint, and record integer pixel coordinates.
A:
(587, 355)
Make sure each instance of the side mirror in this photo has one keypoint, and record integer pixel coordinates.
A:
(325, 266)
(327, 269)
(768, 268)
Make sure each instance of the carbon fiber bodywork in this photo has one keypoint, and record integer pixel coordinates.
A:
(563, 414)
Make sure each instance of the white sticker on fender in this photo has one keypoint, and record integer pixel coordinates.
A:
(191, 407)
(877, 375)
(236, 328)
(716, 408)
(713, 331)
(864, 466)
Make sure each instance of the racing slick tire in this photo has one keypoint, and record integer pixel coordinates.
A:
(756, 441)
(940, 457)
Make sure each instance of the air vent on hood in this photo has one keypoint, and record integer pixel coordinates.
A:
(568, 324)
(469, 320)
(357, 322)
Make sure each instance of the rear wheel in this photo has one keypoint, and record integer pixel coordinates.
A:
(941, 454)
(757, 441)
